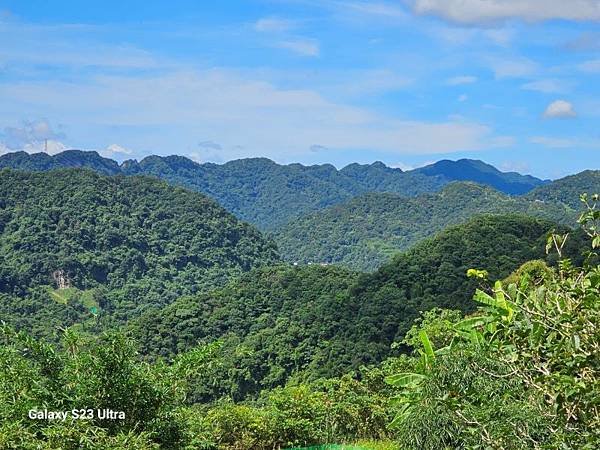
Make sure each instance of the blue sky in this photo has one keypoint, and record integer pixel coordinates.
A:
(512, 82)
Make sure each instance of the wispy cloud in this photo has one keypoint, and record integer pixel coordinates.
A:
(235, 109)
(462, 79)
(576, 143)
(273, 25)
(304, 47)
(375, 8)
(585, 42)
(513, 67)
(547, 86)
(475, 12)
(553, 142)
(592, 66)
(31, 135)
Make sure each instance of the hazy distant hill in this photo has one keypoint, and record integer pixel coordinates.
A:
(367, 230)
(566, 191)
(482, 173)
(63, 160)
(269, 195)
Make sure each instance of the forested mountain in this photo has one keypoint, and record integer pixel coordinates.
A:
(567, 191)
(314, 321)
(269, 195)
(67, 159)
(77, 245)
(482, 173)
(366, 231)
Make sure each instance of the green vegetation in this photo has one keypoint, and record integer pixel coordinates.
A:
(365, 232)
(521, 372)
(269, 195)
(566, 191)
(123, 293)
(524, 372)
(307, 322)
(80, 247)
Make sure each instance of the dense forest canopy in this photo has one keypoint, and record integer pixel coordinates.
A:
(161, 304)
(269, 195)
(567, 190)
(117, 245)
(311, 321)
(366, 231)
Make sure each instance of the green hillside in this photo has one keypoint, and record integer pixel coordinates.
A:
(566, 191)
(315, 321)
(120, 244)
(269, 195)
(366, 231)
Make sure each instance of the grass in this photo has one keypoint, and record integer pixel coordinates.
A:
(86, 298)
(361, 445)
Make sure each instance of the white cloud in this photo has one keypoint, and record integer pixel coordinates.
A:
(402, 166)
(4, 149)
(407, 167)
(513, 68)
(114, 150)
(369, 82)
(304, 47)
(552, 142)
(548, 86)
(278, 123)
(500, 36)
(273, 25)
(50, 146)
(463, 79)
(486, 11)
(209, 151)
(560, 109)
(316, 148)
(592, 66)
(463, 98)
(32, 136)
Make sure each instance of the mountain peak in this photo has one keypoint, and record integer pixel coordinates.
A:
(482, 173)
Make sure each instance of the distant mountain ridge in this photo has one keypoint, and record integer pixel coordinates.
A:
(367, 230)
(270, 195)
(482, 173)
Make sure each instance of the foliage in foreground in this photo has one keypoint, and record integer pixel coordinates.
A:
(524, 372)
(104, 374)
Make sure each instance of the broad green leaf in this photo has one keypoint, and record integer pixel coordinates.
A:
(426, 344)
(405, 379)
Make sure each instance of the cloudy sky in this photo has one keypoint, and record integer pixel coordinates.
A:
(512, 82)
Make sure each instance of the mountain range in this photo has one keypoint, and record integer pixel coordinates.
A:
(158, 298)
(367, 230)
(269, 195)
